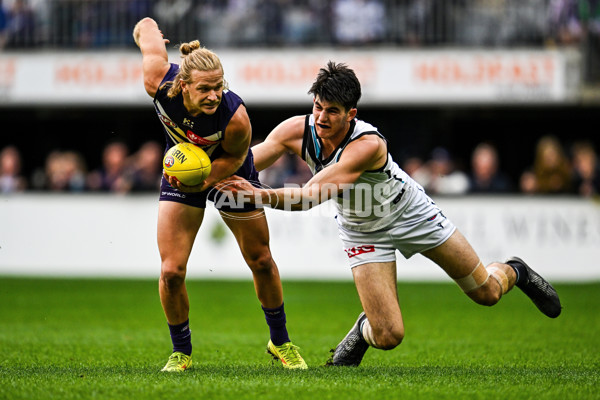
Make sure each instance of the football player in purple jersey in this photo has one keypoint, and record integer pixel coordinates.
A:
(194, 104)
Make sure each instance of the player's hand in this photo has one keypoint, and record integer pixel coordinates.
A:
(235, 184)
(176, 183)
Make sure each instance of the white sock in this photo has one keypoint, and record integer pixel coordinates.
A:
(367, 333)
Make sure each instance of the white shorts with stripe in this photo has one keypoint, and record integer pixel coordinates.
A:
(422, 226)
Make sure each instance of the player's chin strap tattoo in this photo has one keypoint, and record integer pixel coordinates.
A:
(480, 275)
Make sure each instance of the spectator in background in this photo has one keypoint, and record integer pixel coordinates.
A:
(11, 179)
(589, 13)
(564, 25)
(423, 15)
(175, 17)
(21, 25)
(287, 169)
(65, 172)
(3, 25)
(586, 169)
(111, 177)
(299, 171)
(208, 16)
(145, 170)
(358, 21)
(486, 176)
(276, 175)
(439, 175)
(551, 173)
(411, 164)
(300, 22)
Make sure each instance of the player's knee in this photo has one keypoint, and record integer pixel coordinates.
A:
(390, 338)
(173, 275)
(479, 287)
(260, 262)
(487, 295)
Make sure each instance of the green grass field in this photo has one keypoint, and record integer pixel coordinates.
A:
(79, 339)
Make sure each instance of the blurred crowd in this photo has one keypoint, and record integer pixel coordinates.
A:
(97, 23)
(66, 170)
(569, 168)
(555, 169)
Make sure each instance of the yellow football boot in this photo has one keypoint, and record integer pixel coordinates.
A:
(288, 354)
(178, 362)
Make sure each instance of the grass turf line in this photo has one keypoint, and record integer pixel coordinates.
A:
(92, 338)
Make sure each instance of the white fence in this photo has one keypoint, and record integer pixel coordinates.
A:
(115, 236)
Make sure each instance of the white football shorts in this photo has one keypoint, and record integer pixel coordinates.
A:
(422, 226)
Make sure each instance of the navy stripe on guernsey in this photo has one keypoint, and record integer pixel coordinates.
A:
(311, 143)
(206, 131)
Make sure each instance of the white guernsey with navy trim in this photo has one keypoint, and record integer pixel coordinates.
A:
(377, 197)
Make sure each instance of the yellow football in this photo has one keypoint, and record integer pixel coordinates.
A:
(188, 163)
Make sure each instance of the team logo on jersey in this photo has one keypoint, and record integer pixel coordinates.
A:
(199, 139)
(169, 161)
(189, 123)
(357, 250)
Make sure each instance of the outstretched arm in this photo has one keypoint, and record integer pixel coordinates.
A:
(366, 153)
(155, 60)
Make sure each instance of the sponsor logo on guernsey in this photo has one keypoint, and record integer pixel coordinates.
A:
(166, 120)
(173, 194)
(199, 139)
(357, 250)
(179, 156)
(169, 161)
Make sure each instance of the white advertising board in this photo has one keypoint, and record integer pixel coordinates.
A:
(115, 236)
(388, 76)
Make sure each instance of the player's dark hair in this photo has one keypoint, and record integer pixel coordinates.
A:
(337, 84)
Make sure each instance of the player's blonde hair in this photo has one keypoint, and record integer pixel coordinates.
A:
(194, 57)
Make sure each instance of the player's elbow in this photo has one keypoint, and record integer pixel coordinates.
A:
(146, 21)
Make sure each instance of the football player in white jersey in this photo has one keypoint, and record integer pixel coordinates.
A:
(349, 158)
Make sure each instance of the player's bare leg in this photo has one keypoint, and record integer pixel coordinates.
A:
(178, 225)
(378, 291)
(459, 260)
(381, 324)
(486, 285)
(252, 234)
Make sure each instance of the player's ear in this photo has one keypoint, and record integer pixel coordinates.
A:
(352, 114)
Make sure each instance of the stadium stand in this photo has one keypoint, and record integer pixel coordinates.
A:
(96, 26)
